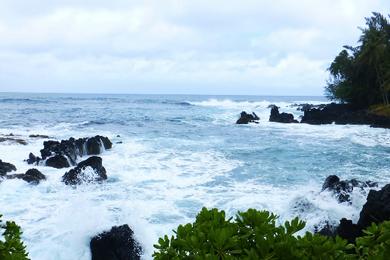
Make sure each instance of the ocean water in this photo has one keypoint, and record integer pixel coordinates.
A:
(172, 155)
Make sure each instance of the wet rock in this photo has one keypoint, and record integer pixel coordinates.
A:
(348, 230)
(39, 136)
(32, 176)
(377, 207)
(54, 152)
(246, 118)
(343, 189)
(281, 117)
(6, 167)
(343, 114)
(57, 161)
(116, 244)
(89, 170)
(13, 140)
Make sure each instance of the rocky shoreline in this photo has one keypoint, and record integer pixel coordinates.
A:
(339, 114)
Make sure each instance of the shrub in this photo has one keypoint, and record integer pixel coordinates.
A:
(11, 245)
(255, 235)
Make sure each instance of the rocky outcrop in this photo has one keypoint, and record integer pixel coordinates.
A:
(281, 117)
(6, 167)
(90, 170)
(116, 244)
(65, 153)
(377, 207)
(342, 189)
(375, 210)
(343, 114)
(39, 136)
(246, 118)
(32, 176)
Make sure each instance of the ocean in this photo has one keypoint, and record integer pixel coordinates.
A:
(173, 155)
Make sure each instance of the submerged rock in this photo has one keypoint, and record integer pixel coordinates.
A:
(89, 170)
(13, 140)
(343, 189)
(281, 117)
(116, 244)
(6, 167)
(39, 136)
(246, 118)
(32, 176)
(65, 153)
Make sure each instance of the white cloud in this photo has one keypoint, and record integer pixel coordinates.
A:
(258, 47)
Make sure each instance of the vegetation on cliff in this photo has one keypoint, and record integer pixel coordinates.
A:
(11, 245)
(361, 75)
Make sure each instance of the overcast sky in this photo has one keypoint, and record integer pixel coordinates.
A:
(279, 47)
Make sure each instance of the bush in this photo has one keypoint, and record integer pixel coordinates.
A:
(255, 235)
(11, 245)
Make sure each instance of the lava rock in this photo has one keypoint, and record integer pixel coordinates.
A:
(377, 207)
(13, 140)
(70, 149)
(32, 176)
(246, 118)
(57, 161)
(6, 167)
(116, 244)
(343, 189)
(348, 230)
(39, 136)
(80, 173)
(343, 114)
(281, 117)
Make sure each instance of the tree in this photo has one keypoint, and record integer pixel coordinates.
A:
(11, 246)
(361, 75)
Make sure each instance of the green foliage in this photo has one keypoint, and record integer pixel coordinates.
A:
(11, 245)
(255, 235)
(361, 75)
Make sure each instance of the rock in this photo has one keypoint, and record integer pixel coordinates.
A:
(116, 244)
(281, 117)
(377, 207)
(343, 189)
(328, 230)
(90, 170)
(32, 176)
(57, 161)
(13, 140)
(246, 118)
(70, 149)
(6, 167)
(348, 230)
(39, 136)
(343, 114)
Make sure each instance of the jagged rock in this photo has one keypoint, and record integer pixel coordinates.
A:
(13, 140)
(343, 114)
(116, 244)
(377, 207)
(343, 189)
(246, 118)
(348, 230)
(32, 176)
(70, 149)
(6, 167)
(281, 117)
(57, 161)
(89, 170)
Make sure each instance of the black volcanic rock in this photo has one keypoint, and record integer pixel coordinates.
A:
(348, 230)
(377, 207)
(343, 189)
(116, 244)
(281, 117)
(6, 167)
(246, 118)
(32, 176)
(57, 161)
(343, 114)
(80, 174)
(70, 149)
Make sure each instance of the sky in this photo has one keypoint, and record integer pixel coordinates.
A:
(249, 47)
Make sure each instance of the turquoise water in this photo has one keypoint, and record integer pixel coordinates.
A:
(174, 154)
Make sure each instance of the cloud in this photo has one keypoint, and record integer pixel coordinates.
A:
(251, 47)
